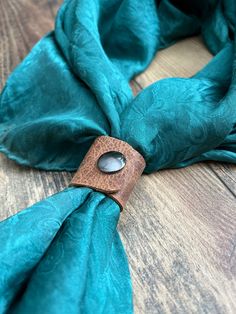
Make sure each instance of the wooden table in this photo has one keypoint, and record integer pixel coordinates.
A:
(179, 228)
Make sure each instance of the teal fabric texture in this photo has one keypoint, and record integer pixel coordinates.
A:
(64, 254)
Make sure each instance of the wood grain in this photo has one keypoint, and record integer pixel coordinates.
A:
(22, 24)
(179, 227)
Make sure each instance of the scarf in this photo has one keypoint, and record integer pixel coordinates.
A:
(64, 254)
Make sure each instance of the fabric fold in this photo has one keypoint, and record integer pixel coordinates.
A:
(64, 255)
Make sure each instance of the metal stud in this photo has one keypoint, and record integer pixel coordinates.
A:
(111, 162)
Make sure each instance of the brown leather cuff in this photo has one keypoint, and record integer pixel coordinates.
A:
(111, 166)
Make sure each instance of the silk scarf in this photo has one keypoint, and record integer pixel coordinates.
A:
(64, 255)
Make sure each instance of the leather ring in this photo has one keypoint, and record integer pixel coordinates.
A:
(111, 166)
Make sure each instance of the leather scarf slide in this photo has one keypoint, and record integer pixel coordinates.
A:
(64, 254)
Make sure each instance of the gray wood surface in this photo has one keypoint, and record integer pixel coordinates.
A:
(179, 227)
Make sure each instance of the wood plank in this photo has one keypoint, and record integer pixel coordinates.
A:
(176, 61)
(226, 173)
(21, 187)
(54, 5)
(179, 226)
(215, 226)
(179, 232)
(22, 24)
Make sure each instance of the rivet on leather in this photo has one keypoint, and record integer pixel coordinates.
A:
(111, 166)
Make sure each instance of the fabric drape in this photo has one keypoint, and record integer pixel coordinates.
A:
(64, 255)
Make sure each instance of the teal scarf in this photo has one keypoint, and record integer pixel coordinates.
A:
(64, 255)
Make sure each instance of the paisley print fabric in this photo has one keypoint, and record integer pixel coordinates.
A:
(63, 255)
